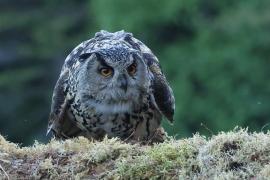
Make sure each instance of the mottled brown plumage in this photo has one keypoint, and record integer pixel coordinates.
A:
(111, 85)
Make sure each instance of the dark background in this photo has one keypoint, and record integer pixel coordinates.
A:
(215, 55)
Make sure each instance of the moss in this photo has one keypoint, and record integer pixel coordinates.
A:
(232, 155)
(171, 158)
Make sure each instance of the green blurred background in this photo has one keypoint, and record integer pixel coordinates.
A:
(215, 55)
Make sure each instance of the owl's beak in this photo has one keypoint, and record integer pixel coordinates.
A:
(123, 82)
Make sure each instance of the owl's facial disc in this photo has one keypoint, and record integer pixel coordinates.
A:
(117, 81)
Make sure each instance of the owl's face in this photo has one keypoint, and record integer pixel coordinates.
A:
(116, 80)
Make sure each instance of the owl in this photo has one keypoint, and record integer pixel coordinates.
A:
(111, 85)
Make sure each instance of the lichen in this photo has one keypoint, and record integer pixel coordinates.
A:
(237, 154)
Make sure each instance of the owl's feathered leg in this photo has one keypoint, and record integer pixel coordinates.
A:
(147, 135)
(158, 137)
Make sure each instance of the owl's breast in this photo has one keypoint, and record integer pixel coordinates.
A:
(115, 122)
(113, 125)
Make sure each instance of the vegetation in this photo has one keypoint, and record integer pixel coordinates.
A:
(214, 53)
(237, 154)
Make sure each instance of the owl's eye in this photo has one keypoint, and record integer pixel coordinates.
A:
(132, 69)
(106, 72)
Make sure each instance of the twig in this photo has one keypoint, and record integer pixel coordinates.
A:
(267, 124)
(129, 137)
(4, 171)
(203, 125)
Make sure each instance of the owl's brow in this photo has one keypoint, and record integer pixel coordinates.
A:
(135, 58)
(102, 61)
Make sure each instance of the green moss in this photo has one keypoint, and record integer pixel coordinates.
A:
(232, 155)
(170, 158)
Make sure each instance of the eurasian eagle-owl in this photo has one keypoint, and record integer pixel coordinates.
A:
(111, 85)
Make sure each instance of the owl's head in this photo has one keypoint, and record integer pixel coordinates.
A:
(113, 79)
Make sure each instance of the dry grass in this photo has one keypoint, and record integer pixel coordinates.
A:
(232, 155)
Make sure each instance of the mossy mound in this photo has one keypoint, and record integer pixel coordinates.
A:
(232, 155)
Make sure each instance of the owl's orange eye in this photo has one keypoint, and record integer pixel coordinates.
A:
(106, 72)
(132, 69)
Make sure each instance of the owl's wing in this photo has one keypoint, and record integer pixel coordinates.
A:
(162, 91)
(59, 105)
